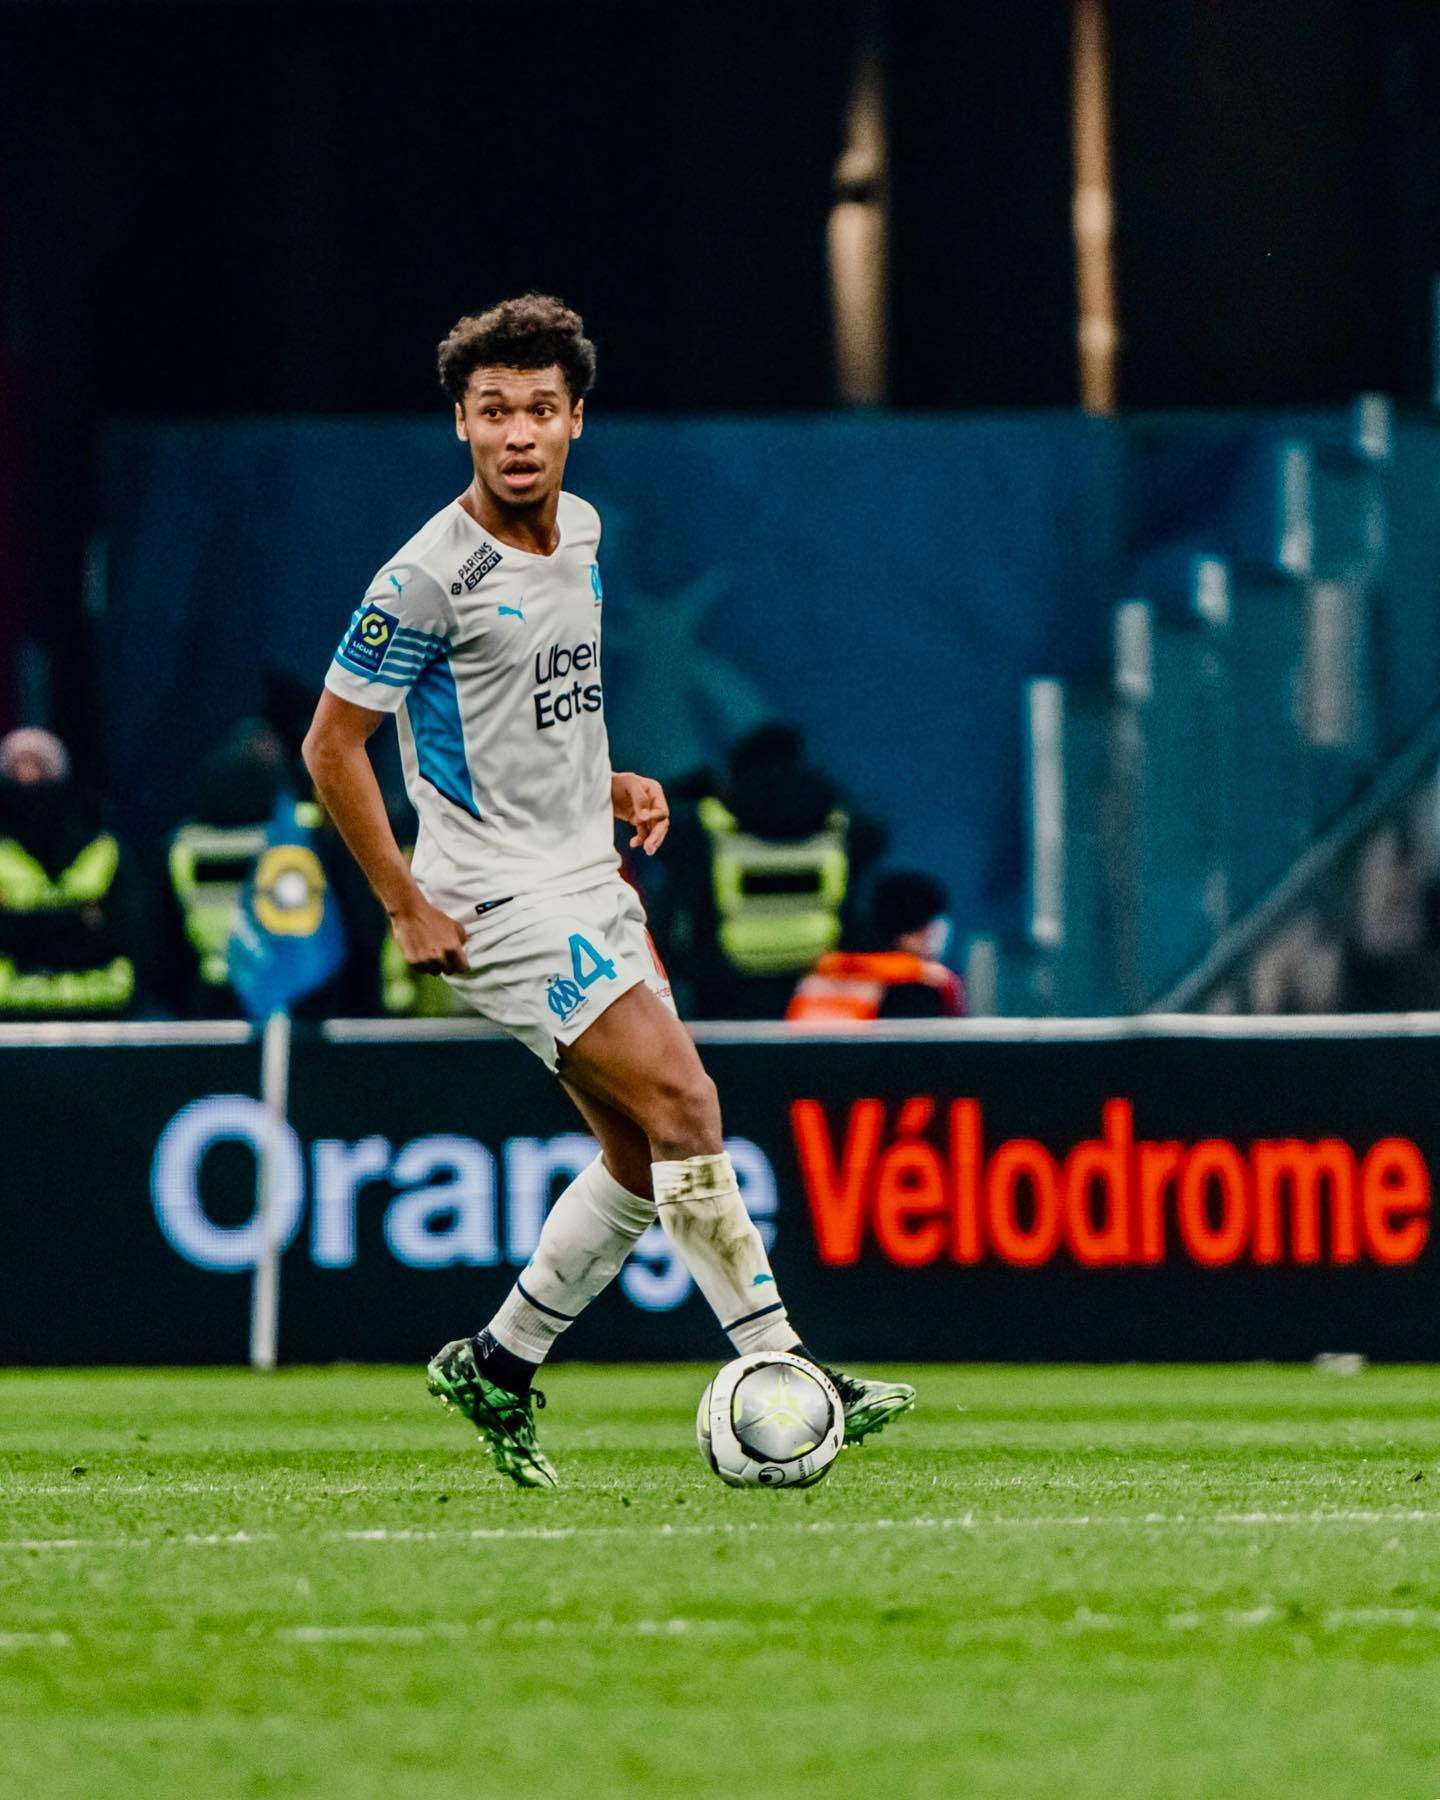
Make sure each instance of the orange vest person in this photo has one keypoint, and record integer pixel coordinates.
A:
(906, 979)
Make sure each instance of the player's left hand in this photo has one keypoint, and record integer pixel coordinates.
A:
(641, 802)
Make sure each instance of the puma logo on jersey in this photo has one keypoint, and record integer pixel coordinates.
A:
(514, 612)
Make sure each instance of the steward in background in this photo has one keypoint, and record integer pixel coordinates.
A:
(212, 857)
(71, 914)
(905, 978)
(765, 857)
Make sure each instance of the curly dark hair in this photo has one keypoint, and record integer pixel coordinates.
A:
(533, 332)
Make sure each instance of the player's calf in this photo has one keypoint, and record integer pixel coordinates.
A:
(698, 1200)
(701, 1210)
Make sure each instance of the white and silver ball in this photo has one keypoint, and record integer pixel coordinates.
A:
(770, 1419)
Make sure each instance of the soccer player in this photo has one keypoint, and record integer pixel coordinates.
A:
(482, 636)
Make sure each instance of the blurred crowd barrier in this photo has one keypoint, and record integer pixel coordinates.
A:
(885, 583)
(1153, 1189)
(1208, 825)
(1108, 680)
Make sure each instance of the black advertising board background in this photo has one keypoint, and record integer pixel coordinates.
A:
(1360, 1089)
(87, 1276)
(379, 1309)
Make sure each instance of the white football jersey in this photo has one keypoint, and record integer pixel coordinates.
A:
(489, 657)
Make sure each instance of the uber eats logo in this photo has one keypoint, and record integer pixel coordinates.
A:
(555, 702)
(444, 1200)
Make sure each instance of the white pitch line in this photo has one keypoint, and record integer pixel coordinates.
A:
(102, 1490)
(961, 1522)
(191, 1540)
(965, 1522)
(1324, 1516)
(1081, 1621)
(1009, 1627)
(1424, 1618)
(34, 1640)
(370, 1634)
(542, 1627)
(71, 1543)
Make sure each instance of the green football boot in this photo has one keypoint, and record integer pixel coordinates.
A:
(503, 1419)
(869, 1405)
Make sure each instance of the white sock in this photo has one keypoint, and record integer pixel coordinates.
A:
(704, 1217)
(591, 1229)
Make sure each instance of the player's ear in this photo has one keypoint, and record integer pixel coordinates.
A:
(460, 421)
(577, 419)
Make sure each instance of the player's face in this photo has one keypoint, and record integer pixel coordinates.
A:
(519, 424)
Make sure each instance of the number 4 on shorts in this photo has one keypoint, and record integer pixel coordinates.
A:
(598, 966)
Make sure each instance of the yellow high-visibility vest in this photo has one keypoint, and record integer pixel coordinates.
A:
(778, 903)
(26, 887)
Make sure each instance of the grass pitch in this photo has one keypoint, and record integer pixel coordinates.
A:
(1117, 1583)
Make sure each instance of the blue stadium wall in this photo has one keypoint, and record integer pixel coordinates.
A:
(886, 582)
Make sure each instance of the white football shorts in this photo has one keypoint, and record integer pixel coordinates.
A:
(543, 969)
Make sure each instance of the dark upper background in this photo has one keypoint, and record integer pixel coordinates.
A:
(233, 206)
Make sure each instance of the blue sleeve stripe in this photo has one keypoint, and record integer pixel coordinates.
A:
(403, 653)
(407, 665)
(434, 710)
(350, 668)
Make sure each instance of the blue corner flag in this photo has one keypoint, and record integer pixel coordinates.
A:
(288, 940)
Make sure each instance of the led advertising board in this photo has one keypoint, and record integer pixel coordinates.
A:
(1135, 1198)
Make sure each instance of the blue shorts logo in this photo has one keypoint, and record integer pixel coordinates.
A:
(563, 997)
(370, 637)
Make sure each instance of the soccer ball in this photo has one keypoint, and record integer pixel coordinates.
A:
(770, 1420)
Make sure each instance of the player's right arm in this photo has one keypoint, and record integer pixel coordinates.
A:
(339, 763)
(398, 630)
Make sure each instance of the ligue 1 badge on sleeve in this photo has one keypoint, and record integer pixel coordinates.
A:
(370, 637)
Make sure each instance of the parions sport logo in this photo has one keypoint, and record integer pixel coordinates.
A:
(476, 567)
(921, 1185)
(557, 703)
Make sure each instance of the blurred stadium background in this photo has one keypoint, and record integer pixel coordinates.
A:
(1064, 469)
(1062, 475)
(1018, 441)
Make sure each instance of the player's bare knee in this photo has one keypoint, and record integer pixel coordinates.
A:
(685, 1117)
